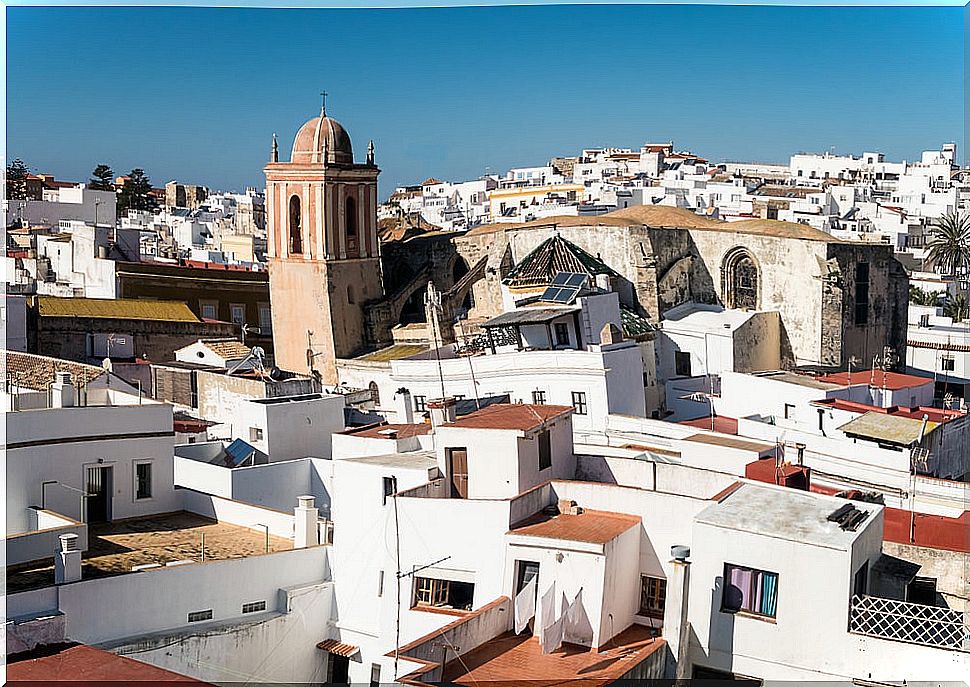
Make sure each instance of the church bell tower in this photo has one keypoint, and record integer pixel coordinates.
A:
(323, 251)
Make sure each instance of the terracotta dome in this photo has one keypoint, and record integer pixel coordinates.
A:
(322, 135)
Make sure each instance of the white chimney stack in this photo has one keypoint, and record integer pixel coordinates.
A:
(443, 411)
(405, 407)
(305, 518)
(62, 391)
(67, 561)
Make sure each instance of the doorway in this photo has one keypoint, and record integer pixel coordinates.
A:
(338, 670)
(98, 486)
(458, 469)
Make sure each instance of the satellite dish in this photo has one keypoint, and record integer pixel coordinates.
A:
(106, 364)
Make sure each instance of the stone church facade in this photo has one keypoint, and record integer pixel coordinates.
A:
(337, 292)
(836, 299)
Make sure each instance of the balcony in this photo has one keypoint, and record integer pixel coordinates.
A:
(902, 621)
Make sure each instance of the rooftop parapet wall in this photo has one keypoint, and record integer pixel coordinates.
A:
(468, 633)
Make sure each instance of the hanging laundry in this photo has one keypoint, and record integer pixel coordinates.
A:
(576, 626)
(525, 605)
(550, 633)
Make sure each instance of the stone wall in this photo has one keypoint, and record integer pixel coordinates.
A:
(67, 337)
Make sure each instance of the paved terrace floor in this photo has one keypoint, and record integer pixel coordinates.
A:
(512, 660)
(113, 548)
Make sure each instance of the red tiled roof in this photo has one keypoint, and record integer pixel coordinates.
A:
(403, 431)
(520, 416)
(511, 659)
(81, 663)
(724, 425)
(915, 413)
(592, 526)
(894, 381)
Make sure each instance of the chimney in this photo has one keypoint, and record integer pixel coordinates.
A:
(603, 282)
(405, 407)
(305, 517)
(443, 411)
(62, 391)
(676, 629)
(67, 561)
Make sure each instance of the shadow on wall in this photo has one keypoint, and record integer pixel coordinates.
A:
(721, 634)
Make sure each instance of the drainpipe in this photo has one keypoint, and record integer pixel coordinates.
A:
(676, 625)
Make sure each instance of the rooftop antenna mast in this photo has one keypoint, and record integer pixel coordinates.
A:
(471, 368)
(433, 309)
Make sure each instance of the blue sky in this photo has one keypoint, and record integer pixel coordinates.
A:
(196, 93)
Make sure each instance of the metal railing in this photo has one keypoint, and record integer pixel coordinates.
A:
(909, 622)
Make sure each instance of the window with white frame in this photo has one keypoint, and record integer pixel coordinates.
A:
(209, 310)
(579, 402)
(143, 480)
(237, 312)
(265, 319)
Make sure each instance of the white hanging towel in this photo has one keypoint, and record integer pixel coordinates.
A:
(550, 633)
(576, 626)
(525, 606)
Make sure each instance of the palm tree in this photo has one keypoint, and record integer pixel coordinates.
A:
(919, 296)
(949, 244)
(957, 308)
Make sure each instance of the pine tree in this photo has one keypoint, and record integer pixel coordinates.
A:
(102, 179)
(136, 193)
(17, 180)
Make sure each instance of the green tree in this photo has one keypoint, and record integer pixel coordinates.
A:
(17, 180)
(136, 193)
(949, 244)
(957, 307)
(102, 179)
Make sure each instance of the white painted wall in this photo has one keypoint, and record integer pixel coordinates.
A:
(160, 599)
(292, 426)
(276, 646)
(37, 452)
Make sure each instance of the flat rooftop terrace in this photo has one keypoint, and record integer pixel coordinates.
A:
(114, 547)
(512, 659)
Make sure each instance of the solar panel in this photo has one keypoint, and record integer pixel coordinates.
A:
(569, 279)
(560, 294)
(237, 452)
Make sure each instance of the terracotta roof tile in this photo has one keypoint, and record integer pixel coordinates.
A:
(86, 664)
(226, 348)
(30, 371)
(519, 416)
(592, 526)
(512, 659)
(894, 381)
(377, 431)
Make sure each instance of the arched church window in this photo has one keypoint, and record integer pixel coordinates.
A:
(296, 229)
(375, 393)
(351, 224)
(740, 280)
